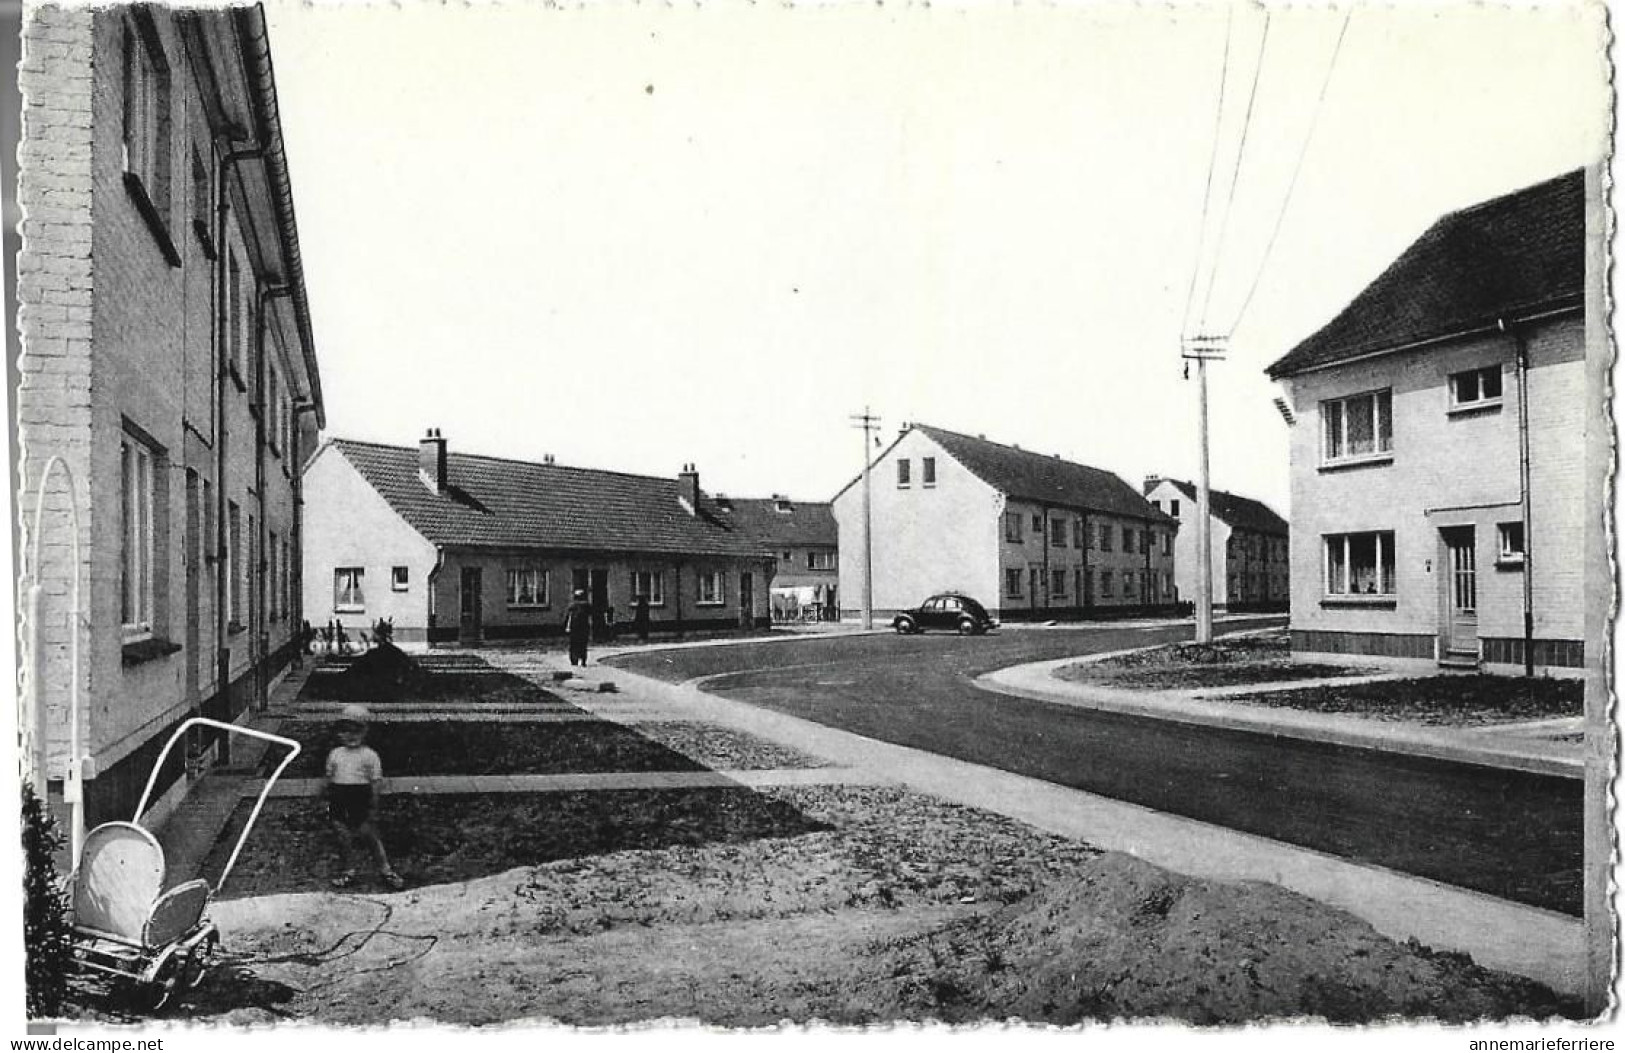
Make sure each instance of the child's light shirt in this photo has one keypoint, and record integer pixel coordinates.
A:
(354, 766)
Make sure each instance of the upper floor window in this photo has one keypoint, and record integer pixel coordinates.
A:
(1057, 532)
(928, 471)
(1173, 508)
(817, 560)
(136, 595)
(1358, 426)
(1038, 525)
(1105, 538)
(710, 591)
(903, 471)
(1012, 526)
(1128, 539)
(1077, 533)
(1360, 564)
(1167, 544)
(400, 578)
(1475, 388)
(273, 410)
(202, 202)
(147, 127)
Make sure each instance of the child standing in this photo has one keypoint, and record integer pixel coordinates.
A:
(354, 774)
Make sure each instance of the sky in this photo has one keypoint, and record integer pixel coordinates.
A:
(635, 237)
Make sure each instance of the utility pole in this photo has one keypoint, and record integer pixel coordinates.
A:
(869, 424)
(1201, 349)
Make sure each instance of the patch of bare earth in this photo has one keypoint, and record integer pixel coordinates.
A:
(844, 904)
(1462, 700)
(1241, 660)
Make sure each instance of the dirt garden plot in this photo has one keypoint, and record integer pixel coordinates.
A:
(1459, 700)
(385, 675)
(748, 908)
(452, 747)
(1188, 666)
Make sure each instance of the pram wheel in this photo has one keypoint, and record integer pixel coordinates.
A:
(196, 965)
(149, 996)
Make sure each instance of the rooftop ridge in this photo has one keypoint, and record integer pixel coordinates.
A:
(510, 460)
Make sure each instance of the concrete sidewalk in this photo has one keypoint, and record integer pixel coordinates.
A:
(1540, 944)
(1534, 746)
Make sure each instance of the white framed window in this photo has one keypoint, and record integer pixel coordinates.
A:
(146, 122)
(527, 587)
(1360, 564)
(903, 472)
(234, 564)
(1012, 582)
(136, 594)
(711, 588)
(400, 579)
(1012, 528)
(347, 589)
(1476, 388)
(820, 560)
(1511, 541)
(650, 583)
(1358, 427)
(928, 471)
(273, 555)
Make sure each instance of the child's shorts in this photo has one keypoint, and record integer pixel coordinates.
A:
(349, 805)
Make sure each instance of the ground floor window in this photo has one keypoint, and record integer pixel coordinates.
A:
(650, 583)
(137, 551)
(1511, 535)
(1012, 582)
(273, 556)
(1360, 564)
(527, 587)
(711, 591)
(347, 594)
(820, 561)
(399, 578)
(1057, 584)
(1106, 583)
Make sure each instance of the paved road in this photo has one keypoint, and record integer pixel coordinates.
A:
(1510, 834)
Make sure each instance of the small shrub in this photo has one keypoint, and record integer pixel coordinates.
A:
(47, 937)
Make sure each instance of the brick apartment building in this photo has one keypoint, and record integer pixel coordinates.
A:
(1439, 495)
(167, 360)
(1251, 567)
(1031, 536)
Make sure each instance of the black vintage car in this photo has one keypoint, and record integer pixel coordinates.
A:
(946, 610)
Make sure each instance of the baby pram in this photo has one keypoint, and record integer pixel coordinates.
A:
(128, 931)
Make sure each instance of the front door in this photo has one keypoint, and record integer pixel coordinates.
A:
(1461, 601)
(469, 627)
(747, 599)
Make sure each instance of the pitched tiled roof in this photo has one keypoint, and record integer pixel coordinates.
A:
(1514, 255)
(1035, 477)
(493, 502)
(806, 523)
(1243, 512)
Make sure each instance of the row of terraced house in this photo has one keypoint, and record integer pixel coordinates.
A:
(191, 518)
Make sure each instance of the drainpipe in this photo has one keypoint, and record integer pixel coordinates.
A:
(261, 367)
(222, 378)
(1148, 538)
(1087, 600)
(677, 595)
(1521, 347)
(296, 557)
(430, 584)
(1043, 510)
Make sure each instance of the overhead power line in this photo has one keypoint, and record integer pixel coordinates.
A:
(1212, 163)
(1292, 185)
(1235, 177)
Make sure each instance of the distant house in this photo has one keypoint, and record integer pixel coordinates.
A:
(458, 547)
(1439, 452)
(1031, 536)
(802, 536)
(1250, 565)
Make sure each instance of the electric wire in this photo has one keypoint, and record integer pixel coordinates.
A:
(1235, 177)
(1292, 185)
(1207, 191)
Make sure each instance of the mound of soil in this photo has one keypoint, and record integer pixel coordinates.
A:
(1126, 940)
(384, 674)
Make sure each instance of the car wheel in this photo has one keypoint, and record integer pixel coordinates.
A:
(967, 627)
(903, 626)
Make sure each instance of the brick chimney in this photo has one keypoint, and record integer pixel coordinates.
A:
(688, 489)
(1151, 482)
(432, 460)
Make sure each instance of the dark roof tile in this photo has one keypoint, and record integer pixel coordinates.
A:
(1237, 511)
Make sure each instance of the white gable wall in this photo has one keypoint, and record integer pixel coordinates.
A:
(348, 524)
